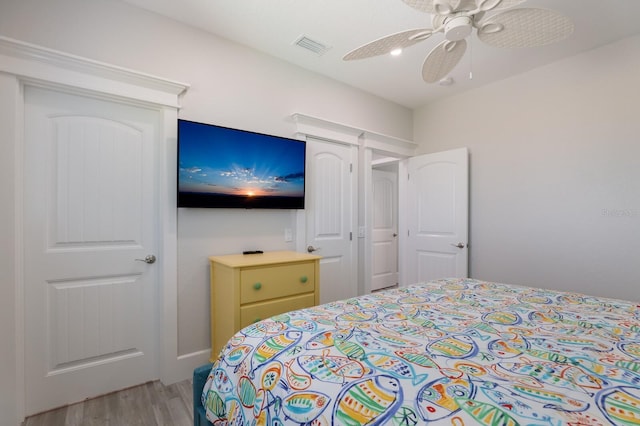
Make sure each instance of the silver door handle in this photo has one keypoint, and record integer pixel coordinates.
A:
(459, 245)
(148, 259)
(311, 249)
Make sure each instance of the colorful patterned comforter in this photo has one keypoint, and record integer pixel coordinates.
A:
(449, 352)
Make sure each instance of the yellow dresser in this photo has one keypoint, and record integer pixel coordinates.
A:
(246, 288)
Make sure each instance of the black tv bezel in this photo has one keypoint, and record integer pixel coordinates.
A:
(214, 201)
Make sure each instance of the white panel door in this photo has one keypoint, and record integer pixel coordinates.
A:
(330, 216)
(437, 215)
(384, 230)
(89, 204)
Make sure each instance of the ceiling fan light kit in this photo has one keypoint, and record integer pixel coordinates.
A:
(456, 19)
(457, 28)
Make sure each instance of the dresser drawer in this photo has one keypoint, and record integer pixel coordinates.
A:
(259, 311)
(245, 288)
(270, 282)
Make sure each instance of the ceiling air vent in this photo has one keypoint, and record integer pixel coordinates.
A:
(312, 45)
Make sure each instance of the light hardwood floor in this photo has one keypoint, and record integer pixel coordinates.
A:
(151, 404)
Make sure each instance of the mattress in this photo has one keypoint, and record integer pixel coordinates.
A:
(448, 352)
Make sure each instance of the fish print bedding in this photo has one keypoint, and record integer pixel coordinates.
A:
(448, 352)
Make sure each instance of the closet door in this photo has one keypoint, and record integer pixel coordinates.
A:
(330, 210)
(90, 217)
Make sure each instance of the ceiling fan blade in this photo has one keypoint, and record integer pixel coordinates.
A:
(431, 6)
(525, 28)
(487, 5)
(442, 59)
(506, 4)
(388, 43)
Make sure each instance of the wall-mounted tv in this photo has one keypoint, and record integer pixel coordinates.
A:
(231, 168)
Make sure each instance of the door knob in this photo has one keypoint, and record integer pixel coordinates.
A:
(459, 245)
(311, 249)
(395, 234)
(148, 259)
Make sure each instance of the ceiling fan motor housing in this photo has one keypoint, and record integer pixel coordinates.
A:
(457, 28)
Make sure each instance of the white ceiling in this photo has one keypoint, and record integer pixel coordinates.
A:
(273, 27)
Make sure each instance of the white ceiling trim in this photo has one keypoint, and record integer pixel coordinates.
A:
(310, 126)
(388, 144)
(18, 58)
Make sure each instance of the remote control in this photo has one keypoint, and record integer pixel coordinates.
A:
(252, 252)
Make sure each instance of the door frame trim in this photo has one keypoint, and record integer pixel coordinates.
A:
(26, 64)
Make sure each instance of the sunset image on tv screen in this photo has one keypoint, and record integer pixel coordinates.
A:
(223, 167)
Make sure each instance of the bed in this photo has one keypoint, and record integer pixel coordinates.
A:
(448, 352)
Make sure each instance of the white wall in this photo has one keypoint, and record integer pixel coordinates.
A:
(230, 85)
(555, 172)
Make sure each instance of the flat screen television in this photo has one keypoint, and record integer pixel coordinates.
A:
(221, 167)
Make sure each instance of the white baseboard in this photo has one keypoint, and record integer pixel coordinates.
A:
(183, 368)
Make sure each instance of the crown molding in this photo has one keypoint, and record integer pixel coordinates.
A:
(321, 128)
(36, 63)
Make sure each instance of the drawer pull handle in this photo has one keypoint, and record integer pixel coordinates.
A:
(304, 279)
(257, 286)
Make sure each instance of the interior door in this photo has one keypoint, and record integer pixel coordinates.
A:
(89, 206)
(384, 230)
(330, 216)
(437, 215)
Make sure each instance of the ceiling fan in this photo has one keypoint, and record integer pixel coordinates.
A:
(456, 19)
